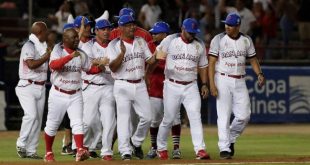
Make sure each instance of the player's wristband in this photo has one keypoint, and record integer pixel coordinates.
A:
(260, 74)
(204, 84)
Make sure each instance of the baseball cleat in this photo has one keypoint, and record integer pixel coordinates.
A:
(176, 154)
(163, 155)
(126, 157)
(151, 154)
(49, 157)
(202, 154)
(107, 157)
(232, 149)
(21, 152)
(81, 155)
(34, 156)
(93, 154)
(225, 155)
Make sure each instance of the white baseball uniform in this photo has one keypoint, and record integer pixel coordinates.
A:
(180, 86)
(233, 95)
(99, 102)
(30, 91)
(92, 131)
(130, 90)
(65, 94)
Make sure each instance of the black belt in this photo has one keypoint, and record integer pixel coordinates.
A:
(180, 82)
(233, 76)
(91, 83)
(65, 91)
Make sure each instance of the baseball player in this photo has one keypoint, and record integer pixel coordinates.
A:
(185, 57)
(92, 132)
(98, 96)
(116, 33)
(65, 95)
(67, 138)
(228, 53)
(159, 31)
(128, 55)
(138, 31)
(30, 89)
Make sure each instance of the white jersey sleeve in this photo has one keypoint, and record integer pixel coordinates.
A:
(147, 51)
(165, 43)
(203, 61)
(113, 52)
(250, 47)
(28, 51)
(56, 52)
(215, 46)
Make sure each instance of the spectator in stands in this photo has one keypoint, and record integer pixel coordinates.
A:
(247, 18)
(269, 25)
(258, 12)
(304, 22)
(149, 14)
(60, 18)
(287, 12)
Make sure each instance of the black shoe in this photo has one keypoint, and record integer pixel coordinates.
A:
(34, 156)
(74, 153)
(225, 155)
(126, 157)
(21, 152)
(232, 149)
(93, 154)
(67, 150)
(137, 151)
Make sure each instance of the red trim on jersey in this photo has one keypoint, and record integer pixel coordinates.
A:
(60, 63)
(128, 40)
(94, 70)
(69, 50)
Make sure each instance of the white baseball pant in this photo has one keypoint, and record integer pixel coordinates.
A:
(58, 104)
(32, 99)
(157, 106)
(174, 96)
(233, 96)
(135, 94)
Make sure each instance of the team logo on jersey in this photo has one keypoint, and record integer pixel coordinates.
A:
(197, 48)
(245, 42)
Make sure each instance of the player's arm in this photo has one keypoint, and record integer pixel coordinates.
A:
(59, 63)
(257, 69)
(211, 70)
(203, 73)
(116, 63)
(33, 64)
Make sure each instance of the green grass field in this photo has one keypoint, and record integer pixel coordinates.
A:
(263, 144)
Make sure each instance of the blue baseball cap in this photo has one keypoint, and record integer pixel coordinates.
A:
(68, 26)
(191, 25)
(126, 11)
(125, 19)
(233, 19)
(78, 21)
(103, 23)
(160, 27)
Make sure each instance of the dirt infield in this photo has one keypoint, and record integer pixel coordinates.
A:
(252, 130)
